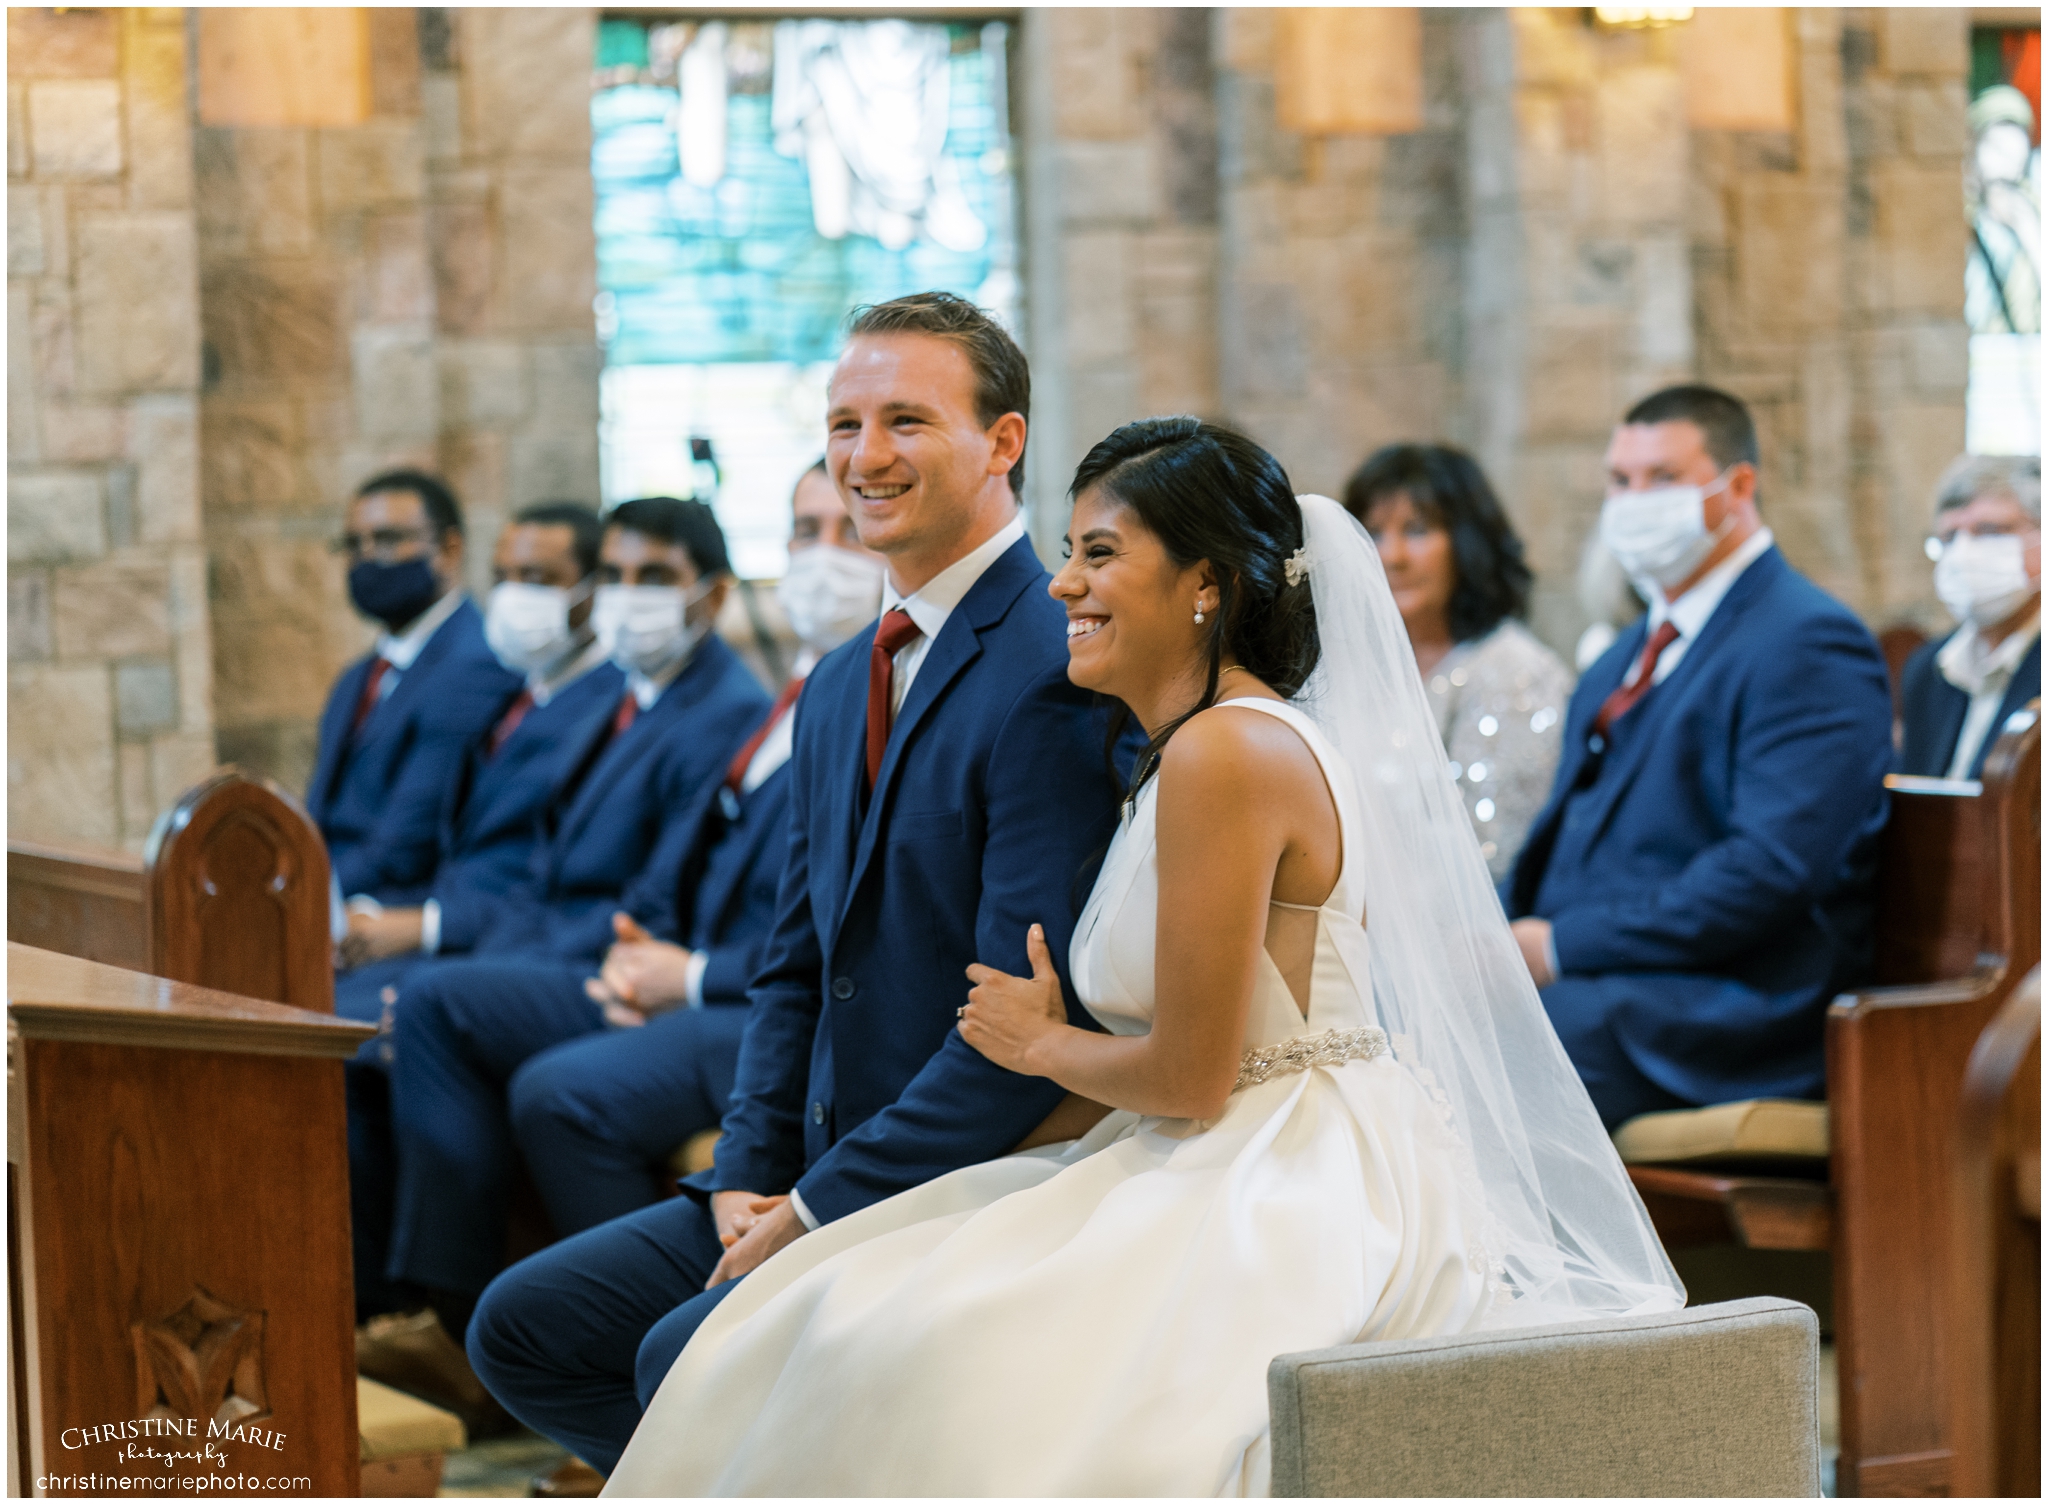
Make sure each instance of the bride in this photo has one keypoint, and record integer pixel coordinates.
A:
(1335, 1109)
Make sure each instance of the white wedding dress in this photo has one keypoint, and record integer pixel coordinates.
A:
(1098, 1319)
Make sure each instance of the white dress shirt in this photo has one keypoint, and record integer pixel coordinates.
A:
(933, 602)
(1691, 612)
(929, 606)
(401, 650)
(1983, 674)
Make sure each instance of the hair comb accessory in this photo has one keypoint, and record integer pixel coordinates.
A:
(1297, 566)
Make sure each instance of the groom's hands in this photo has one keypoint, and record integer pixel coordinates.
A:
(751, 1228)
(1005, 1016)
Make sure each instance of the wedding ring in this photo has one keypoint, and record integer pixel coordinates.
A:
(961, 1012)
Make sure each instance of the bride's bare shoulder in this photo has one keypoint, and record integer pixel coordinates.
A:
(1233, 749)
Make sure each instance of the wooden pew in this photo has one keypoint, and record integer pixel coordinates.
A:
(1994, 1330)
(230, 893)
(1958, 927)
(177, 1182)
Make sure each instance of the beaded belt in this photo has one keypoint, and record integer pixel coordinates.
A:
(1331, 1048)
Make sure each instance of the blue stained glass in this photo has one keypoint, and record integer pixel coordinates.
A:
(738, 271)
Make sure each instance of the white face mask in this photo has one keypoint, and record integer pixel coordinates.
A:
(829, 594)
(527, 625)
(646, 629)
(1661, 536)
(1984, 580)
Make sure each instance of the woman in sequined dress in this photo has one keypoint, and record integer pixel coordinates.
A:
(1458, 577)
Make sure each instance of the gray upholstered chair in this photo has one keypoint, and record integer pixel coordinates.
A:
(1712, 1400)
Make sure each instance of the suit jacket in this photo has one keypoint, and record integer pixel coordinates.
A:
(491, 819)
(377, 798)
(1934, 710)
(1725, 890)
(853, 1083)
(729, 908)
(628, 811)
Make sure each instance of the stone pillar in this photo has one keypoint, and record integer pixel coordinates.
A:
(110, 680)
(1120, 198)
(1578, 286)
(1340, 308)
(412, 290)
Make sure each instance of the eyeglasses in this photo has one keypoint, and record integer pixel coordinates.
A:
(380, 544)
(1936, 544)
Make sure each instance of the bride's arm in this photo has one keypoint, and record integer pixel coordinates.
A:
(1228, 808)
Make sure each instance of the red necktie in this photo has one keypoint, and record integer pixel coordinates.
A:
(1617, 705)
(896, 630)
(509, 722)
(736, 774)
(629, 708)
(367, 701)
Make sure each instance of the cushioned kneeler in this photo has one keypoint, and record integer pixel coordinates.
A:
(404, 1441)
(1764, 1128)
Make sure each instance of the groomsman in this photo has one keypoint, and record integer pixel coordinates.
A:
(399, 719)
(924, 837)
(1699, 885)
(597, 1117)
(628, 819)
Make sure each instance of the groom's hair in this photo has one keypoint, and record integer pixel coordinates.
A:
(1002, 377)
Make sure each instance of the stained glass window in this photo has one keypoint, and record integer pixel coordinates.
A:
(755, 181)
(2002, 279)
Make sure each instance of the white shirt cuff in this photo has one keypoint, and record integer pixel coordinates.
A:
(803, 1213)
(430, 926)
(1550, 954)
(693, 979)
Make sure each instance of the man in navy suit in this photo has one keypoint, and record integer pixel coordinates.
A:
(948, 788)
(637, 807)
(400, 719)
(1986, 545)
(1700, 884)
(598, 1117)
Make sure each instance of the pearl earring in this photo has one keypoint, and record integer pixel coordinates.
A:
(1198, 611)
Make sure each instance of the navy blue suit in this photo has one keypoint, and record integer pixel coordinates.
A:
(597, 1117)
(377, 798)
(853, 1083)
(1709, 882)
(642, 815)
(1934, 711)
(631, 812)
(491, 821)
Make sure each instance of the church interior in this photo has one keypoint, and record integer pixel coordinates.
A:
(264, 265)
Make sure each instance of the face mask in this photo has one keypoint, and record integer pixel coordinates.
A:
(646, 629)
(527, 626)
(829, 594)
(1983, 581)
(1660, 536)
(393, 594)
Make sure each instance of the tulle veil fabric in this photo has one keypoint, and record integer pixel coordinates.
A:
(1568, 1236)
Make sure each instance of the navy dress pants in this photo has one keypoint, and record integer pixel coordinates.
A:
(575, 1340)
(596, 1119)
(1579, 1009)
(359, 995)
(462, 1028)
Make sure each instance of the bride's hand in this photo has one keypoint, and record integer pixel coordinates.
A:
(1005, 1016)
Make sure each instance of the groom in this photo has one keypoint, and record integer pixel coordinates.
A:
(948, 787)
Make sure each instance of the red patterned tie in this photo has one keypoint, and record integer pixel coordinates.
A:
(509, 722)
(896, 630)
(629, 708)
(736, 774)
(367, 701)
(1617, 705)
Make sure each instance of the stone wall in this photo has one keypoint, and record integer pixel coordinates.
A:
(109, 654)
(415, 289)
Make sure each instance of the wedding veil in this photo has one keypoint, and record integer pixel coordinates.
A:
(1569, 1236)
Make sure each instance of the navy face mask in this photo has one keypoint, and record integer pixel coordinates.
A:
(393, 593)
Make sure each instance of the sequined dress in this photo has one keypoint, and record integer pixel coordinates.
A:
(1097, 1318)
(1499, 703)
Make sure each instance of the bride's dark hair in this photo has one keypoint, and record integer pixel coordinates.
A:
(1207, 492)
